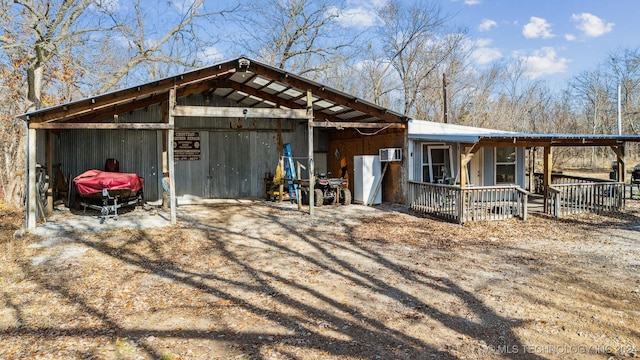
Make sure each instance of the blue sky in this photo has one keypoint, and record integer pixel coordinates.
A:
(555, 39)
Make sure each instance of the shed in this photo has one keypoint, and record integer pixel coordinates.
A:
(217, 130)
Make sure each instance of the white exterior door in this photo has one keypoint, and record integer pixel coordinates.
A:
(475, 169)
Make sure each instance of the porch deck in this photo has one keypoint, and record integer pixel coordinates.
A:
(566, 195)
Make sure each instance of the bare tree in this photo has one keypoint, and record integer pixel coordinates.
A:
(56, 49)
(624, 69)
(302, 36)
(416, 42)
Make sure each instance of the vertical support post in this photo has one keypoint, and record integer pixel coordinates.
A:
(620, 197)
(532, 166)
(170, 155)
(280, 160)
(621, 169)
(31, 179)
(310, 147)
(49, 155)
(462, 163)
(547, 175)
(298, 192)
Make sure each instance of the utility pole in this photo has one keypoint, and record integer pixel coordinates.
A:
(445, 115)
(619, 110)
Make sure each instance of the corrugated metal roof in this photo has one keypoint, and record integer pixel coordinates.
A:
(441, 132)
(246, 81)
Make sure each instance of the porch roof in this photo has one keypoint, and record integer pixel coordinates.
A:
(440, 132)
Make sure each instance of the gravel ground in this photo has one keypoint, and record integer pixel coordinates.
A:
(258, 280)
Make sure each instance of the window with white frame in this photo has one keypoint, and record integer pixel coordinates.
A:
(436, 164)
(505, 165)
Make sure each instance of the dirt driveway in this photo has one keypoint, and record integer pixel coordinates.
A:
(256, 280)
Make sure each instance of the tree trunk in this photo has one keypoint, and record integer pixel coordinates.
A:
(16, 182)
(34, 82)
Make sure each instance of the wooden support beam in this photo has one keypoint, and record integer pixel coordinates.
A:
(31, 180)
(462, 163)
(334, 97)
(94, 104)
(362, 125)
(49, 162)
(170, 160)
(468, 154)
(532, 168)
(101, 126)
(310, 150)
(619, 150)
(548, 166)
(239, 112)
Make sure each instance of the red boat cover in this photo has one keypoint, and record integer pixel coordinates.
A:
(93, 181)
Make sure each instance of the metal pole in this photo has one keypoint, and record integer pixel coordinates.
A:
(619, 111)
(444, 95)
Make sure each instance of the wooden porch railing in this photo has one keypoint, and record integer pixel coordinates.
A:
(576, 198)
(478, 203)
(559, 178)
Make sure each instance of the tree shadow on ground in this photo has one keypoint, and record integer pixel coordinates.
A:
(300, 317)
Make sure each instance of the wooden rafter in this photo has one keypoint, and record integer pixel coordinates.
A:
(361, 125)
(321, 92)
(235, 112)
(129, 95)
(100, 126)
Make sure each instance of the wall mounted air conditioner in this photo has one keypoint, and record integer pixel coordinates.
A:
(390, 154)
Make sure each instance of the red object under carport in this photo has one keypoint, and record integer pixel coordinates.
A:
(91, 183)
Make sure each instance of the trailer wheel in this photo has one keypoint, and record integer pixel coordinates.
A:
(345, 196)
(318, 199)
(304, 196)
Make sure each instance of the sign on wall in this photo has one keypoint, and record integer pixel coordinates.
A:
(186, 145)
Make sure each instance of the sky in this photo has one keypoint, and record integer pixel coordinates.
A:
(555, 39)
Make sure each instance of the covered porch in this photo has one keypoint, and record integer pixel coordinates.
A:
(511, 196)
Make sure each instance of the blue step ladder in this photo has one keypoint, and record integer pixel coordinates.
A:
(290, 173)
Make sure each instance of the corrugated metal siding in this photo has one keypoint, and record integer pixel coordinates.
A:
(81, 150)
(191, 177)
(236, 153)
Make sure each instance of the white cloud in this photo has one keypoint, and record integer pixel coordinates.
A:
(487, 24)
(356, 17)
(543, 62)
(591, 25)
(486, 55)
(482, 53)
(569, 37)
(537, 28)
